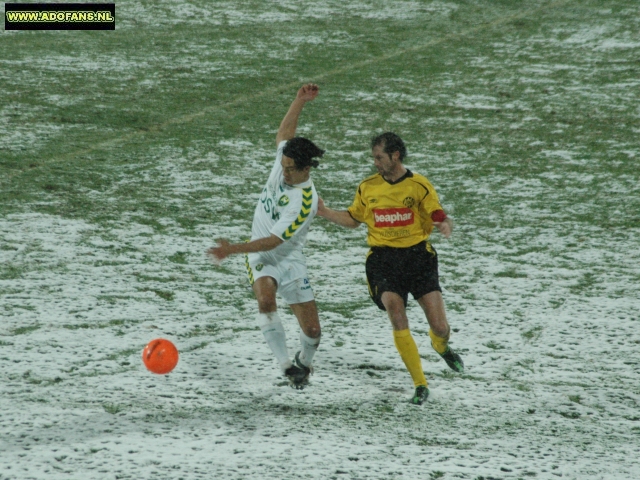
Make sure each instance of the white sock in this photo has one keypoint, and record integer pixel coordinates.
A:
(309, 347)
(273, 332)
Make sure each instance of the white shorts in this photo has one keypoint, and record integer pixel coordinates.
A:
(290, 276)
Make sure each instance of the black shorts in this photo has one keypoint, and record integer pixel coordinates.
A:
(411, 270)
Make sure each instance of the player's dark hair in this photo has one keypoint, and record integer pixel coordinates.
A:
(390, 142)
(302, 151)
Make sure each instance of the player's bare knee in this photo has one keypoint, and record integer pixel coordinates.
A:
(313, 331)
(442, 331)
(395, 309)
(439, 325)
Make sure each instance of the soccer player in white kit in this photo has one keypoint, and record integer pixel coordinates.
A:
(275, 262)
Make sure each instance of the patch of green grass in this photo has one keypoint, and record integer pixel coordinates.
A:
(511, 273)
(244, 329)
(112, 299)
(10, 272)
(110, 323)
(585, 284)
(526, 364)
(557, 303)
(570, 415)
(197, 346)
(456, 307)
(533, 333)
(78, 326)
(179, 257)
(111, 408)
(434, 441)
(384, 408)
(109, 263)
(149, 278)
(368, 366)
(26, 329)
(122, 354)
(198, 331)
(27, 377)
(347, 310)
(216, 298)
(29, 308)
(166, 295)
(558, 356)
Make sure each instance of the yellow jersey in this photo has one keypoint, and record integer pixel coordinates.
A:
(397, 214)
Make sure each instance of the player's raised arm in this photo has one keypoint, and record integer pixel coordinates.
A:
(289, 123)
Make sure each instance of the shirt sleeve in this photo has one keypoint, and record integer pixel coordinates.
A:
(429, 204)
(357, 208)
(276, 170)
(295, 215)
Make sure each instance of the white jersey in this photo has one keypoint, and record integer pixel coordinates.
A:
(284, 211)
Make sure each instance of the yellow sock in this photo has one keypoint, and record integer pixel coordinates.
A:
(440, 344)
(408, 351)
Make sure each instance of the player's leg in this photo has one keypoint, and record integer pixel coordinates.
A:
(402, 338)
(425, 288)
(424, 285)
(268, 319)
(433, 306)
(265, 288)
(296, 290)
(310, 332)
(386, 290)
(394, 305)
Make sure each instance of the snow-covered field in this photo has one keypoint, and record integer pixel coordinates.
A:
(541, 277)
(551, 387)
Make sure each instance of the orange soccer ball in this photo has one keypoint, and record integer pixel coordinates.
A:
(160, 356)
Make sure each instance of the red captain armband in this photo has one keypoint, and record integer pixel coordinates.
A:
(438, 216)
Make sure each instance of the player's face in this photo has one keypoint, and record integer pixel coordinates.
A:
(293, 176)
(384, 163)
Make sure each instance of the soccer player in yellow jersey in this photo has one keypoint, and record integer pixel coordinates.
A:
(401, 209)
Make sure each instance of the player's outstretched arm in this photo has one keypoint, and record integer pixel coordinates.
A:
(289, 123)
(339, 217)
(224, 248)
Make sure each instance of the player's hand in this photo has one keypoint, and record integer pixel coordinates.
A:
(445, 227)
(220, 251)
(308, 92)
